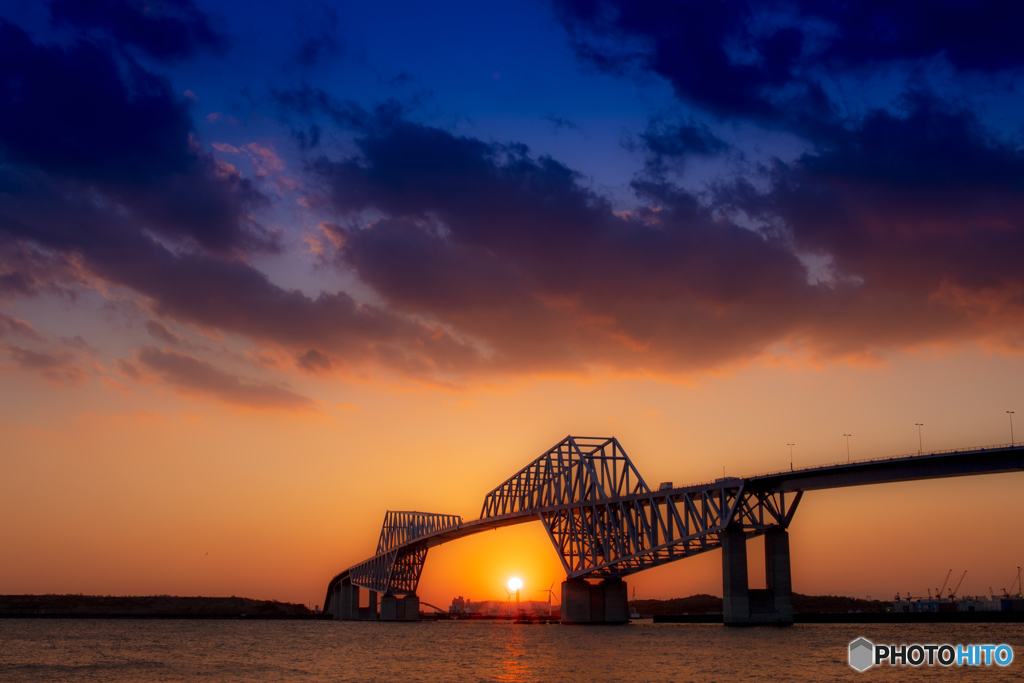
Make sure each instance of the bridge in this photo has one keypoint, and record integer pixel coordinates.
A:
(607, 523)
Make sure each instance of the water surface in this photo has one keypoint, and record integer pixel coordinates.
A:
(154, 650)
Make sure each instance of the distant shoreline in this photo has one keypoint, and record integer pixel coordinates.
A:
(865, 618)
(162, 617)
(696, 609)
(857, 618)
(148, 607)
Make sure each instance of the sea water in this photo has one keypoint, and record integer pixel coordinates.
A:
(141, 650)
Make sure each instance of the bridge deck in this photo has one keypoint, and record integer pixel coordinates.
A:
(936, 465)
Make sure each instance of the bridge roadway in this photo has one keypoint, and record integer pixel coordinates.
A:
(607, 523)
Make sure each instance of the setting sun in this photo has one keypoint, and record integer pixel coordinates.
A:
(515, 584)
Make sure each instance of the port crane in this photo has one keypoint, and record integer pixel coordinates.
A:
(953, 591)
(938, 591)
(1020, 591)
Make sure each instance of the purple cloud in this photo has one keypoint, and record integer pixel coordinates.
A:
(193, 376)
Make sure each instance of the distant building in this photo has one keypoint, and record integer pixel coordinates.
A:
(458, 605)
(964, 604)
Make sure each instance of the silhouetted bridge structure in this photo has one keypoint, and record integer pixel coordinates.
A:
(606, 523)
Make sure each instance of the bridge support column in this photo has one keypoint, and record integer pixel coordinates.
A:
(597, 603)
(575, 602)
(336, 602)
(743, 606)
(600, 603)
(735, 591)
(399, 609)
(616, 601)
(388, 608)
(349, 601)
(346, 600)
(779, 577)
(369, 613)
(409, 608)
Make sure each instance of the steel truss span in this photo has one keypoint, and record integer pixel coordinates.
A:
(605, 522)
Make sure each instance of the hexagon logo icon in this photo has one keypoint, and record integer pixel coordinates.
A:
(862, 654)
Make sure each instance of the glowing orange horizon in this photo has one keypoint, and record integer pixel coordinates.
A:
(158, 494)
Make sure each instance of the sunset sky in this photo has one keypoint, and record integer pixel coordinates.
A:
(268, 271)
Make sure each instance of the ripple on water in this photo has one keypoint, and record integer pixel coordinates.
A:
(140, 651)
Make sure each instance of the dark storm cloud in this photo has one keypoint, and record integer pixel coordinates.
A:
(692, 44)
(486, 258)
(925, 208)
(771, 62)
(98, 160)
(231, 295)
(515, 252)
(163, 29)
(193, 376)
(918, 214)
(234, 296)
(82, 123)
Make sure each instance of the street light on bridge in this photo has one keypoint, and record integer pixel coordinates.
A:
(847, 446)
(790, 455)
(920, 448)
(1010, 413)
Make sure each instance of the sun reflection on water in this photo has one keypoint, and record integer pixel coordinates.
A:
(513, 667)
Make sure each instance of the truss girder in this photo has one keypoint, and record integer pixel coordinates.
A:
(604, 519)
(402, 528)
(623, 536)
(395, 572)
(574, 470)
(396, 568)
(600, 514)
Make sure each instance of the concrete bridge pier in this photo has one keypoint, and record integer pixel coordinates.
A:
(393, 608)
(778, 573)
(346, 600)
(601, 603)
(369, 613)
(388, 608)
(410, 608)
(742, 605)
